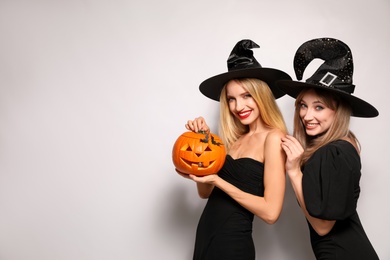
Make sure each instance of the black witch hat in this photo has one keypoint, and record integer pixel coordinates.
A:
(335, 74)
(242, 64)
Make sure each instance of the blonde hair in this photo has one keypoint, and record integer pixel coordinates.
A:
(230, 128)
(339, 128)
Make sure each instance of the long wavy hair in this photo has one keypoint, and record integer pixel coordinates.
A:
(230, 128)
(339, 128)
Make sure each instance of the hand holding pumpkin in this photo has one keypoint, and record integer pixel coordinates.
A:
(198, 124)
(207, 179)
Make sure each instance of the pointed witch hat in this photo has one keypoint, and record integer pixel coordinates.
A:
(242, 64)
(335, 74)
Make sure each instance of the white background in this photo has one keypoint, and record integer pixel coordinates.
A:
(94, 93)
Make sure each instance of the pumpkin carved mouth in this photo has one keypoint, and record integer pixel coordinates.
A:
(198, 164)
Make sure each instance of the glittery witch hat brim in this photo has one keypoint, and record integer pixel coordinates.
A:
(360, 108)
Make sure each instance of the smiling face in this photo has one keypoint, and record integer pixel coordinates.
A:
(316, 116)
(241, 103)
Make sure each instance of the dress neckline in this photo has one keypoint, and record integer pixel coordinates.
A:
(244, 158)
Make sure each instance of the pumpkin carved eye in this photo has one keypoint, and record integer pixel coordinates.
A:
(198, 153)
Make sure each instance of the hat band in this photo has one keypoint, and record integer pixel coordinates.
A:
(347, 88)
(330, 80)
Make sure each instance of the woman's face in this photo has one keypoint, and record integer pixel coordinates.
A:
(315, 115)
(241, 103)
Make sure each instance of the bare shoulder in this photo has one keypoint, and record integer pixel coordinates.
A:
(274, 135)
(273, 151)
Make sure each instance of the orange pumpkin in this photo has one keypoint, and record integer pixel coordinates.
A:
(199, 154)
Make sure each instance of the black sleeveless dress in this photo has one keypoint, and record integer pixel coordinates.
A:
(225, 227)
(331, 190)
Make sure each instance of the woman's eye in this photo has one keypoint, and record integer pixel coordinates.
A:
(302, 105)
(319, 107)
(247, 96)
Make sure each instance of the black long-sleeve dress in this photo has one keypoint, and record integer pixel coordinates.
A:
(331, 190)
(225, 227)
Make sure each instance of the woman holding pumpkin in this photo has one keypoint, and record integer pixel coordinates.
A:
(252, 179)
(323, 157)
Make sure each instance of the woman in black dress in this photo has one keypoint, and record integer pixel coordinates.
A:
(252, 180)
(323, 161)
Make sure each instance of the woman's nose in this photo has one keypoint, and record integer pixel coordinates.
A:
(308, 115)
(239, 105)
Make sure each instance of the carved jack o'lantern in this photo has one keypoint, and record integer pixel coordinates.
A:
(199, 154)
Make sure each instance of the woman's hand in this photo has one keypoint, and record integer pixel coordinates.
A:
(294, 151)
(208, 179)
(198, 124)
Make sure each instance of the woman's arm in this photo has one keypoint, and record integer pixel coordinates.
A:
(204, 189)
(321, 226)
(269, 207)
(294, 150)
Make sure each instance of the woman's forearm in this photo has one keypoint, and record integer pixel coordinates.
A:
(267, 210)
